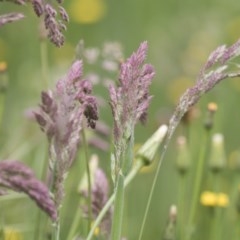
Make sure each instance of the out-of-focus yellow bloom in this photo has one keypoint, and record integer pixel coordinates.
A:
(208, 199)
(211, 199)
(212, 107)
(87, 11)
(3, 66)
(12, 234)
(223, 200)
(96, 230)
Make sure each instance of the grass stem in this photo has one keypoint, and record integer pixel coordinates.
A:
(86, 153)
(217, 211)
(118, 208)
(139, 164)
(125, 162)
(74, 225)
(152, 188)
(181, 223)
(197, 186)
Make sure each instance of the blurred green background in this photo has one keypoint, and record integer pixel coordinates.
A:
(180, 34)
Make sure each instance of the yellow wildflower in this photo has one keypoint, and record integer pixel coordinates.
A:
(211, 199)
(212, 107)
(223, 200)
(87, 11)
(12, 234)
(96, 230)
(3, 66)
(208, 199)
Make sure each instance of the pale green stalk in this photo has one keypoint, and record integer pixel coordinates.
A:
(85, 147)
(174, 121)
(44, 66)
(125, 160)
(77, 217)
(139, 164)
(237, 229)
(217, 163)
(118, 208)
(217, 211)
(56, 233)
(152, 189)
(197, 186)
(44, 69)
(162, 133)
(234, 197)
(56, 225)
(181, 220)
(40, 219)
(74, 225)
(183, 165)
(217, 223)
(144, 156)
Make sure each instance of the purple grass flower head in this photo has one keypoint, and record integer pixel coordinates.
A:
(16, 176)
(10, 17)
(19, 2)
(100, 192)
(63, 14)
(129, 101)
(52, 21)
(89, 102)
(38, 7)
(216, 69)
(53, 26)
(61, 117)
